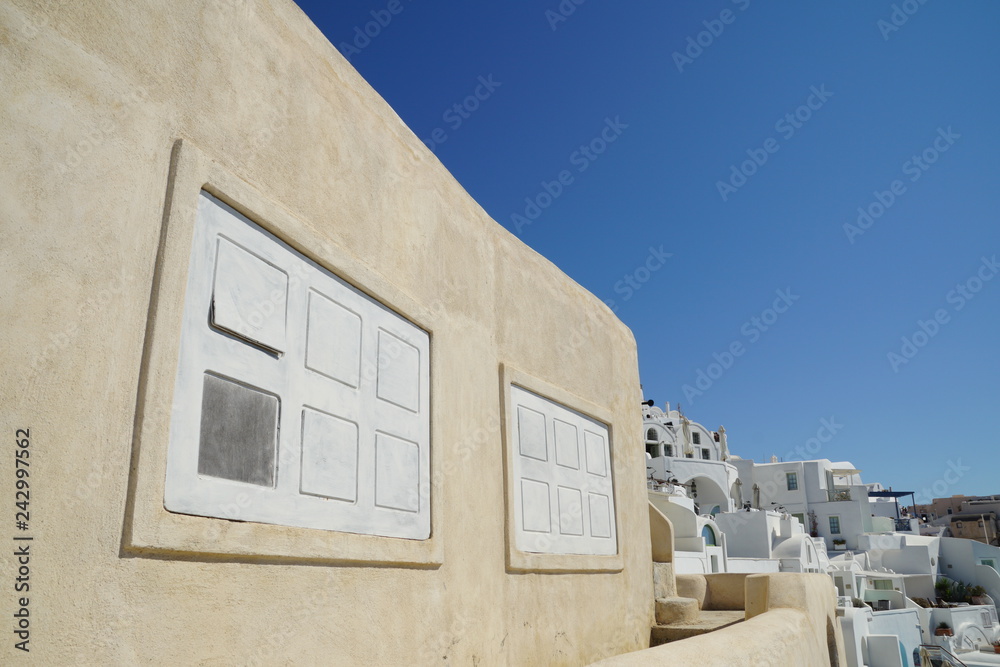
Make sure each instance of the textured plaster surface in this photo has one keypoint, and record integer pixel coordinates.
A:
(96, 96)
(724, 591)
(790, 620)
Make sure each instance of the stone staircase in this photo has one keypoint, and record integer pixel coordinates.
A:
(679, 617)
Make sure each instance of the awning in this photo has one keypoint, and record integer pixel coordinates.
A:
(889, 494)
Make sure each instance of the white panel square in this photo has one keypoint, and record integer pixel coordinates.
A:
(397, 473)
(536, 514)
(563, 502)
(600, 515)
(531, 434)
(329, 456)
(570, 511)
(398, 371)
(567, 447)
(333, 340)
(597, 453)
(249, 296)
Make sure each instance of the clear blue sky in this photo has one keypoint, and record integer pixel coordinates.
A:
(923, 82)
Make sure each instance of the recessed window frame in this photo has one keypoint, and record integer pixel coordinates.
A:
(792, 481)
(834, 523)
(392, 496)
(149, 527)
(524, 561)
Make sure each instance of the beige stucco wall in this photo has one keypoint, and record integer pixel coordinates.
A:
(790, 620)
(95, 97)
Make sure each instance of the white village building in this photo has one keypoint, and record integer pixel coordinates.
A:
(735, 515)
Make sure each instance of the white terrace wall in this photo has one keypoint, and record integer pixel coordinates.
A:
(318, 386)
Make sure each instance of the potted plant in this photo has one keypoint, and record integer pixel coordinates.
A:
(996, 646)
(943, 630)
(978, 595)
(943, 589)
(839, 544)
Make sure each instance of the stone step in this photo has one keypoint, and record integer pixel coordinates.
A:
(707, 621)
(676, 610)
(664, 583)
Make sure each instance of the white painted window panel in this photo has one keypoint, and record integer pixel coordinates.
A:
(333, 340)
(397, 472)
(567, 444)
(248, 297)
(535, 510)
(329, 456)
(600, 515)
(398, 371)
(597, 453)
(560, 507)
(532, 438)
(570, 511)
(341, 356)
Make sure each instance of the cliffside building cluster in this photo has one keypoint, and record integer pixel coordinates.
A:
(895, 584)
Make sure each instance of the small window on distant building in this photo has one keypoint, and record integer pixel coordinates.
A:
(793, 481)
(696, 438)
(706, 453)
(949, 510)
(958, 524)
(835, 525)
(651, 434)
(668, 450)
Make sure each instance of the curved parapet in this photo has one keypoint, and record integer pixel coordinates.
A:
(790, 620)
(661, 533)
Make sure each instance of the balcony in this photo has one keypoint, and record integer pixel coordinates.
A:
(838, 495)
